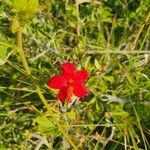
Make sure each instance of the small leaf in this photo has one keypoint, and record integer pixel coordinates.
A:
(96, 63)
(4, 55)
(45, 125)
(3, 51)
(130, 80)
(109, 78)
(87, 61)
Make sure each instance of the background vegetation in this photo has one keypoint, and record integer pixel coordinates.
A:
(111, 39)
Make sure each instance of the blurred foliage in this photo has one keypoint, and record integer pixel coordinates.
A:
(94, 35)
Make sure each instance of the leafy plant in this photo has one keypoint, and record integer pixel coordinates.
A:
(110, 39)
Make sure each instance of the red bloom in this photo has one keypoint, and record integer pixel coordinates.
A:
(69, 83)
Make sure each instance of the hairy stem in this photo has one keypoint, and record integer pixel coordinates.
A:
(22, 54)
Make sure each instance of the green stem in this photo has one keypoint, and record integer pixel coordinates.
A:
(78, 18)
(22, 55)
(139, 32)
(38, 91)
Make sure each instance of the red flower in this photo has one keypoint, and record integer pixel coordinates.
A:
(69, 83)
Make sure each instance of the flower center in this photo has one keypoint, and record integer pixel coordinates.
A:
(70, 82)
(69, 92)
(70, 89)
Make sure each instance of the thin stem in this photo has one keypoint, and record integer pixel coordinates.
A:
(140, 127)
(110, 39)
(64, 111)
(147, 33)
(139, 32)
(78, 18)
(18, 89)
(65, 5)
(22, 55)
(118, 52)
(38, 91)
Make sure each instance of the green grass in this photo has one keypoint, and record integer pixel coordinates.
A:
(111, 39)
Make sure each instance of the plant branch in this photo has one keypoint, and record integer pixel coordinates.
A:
(22, 54)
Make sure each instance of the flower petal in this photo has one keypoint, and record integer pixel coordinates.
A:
(68, 69)
(80, 76)
(57, 82)
(62, 94)
(80, 90)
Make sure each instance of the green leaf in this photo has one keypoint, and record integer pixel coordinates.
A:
(130, 80)
(109, 78)
(96, 63)
(45, 125)
(3, 51)
(87, 61)
(4, 55)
